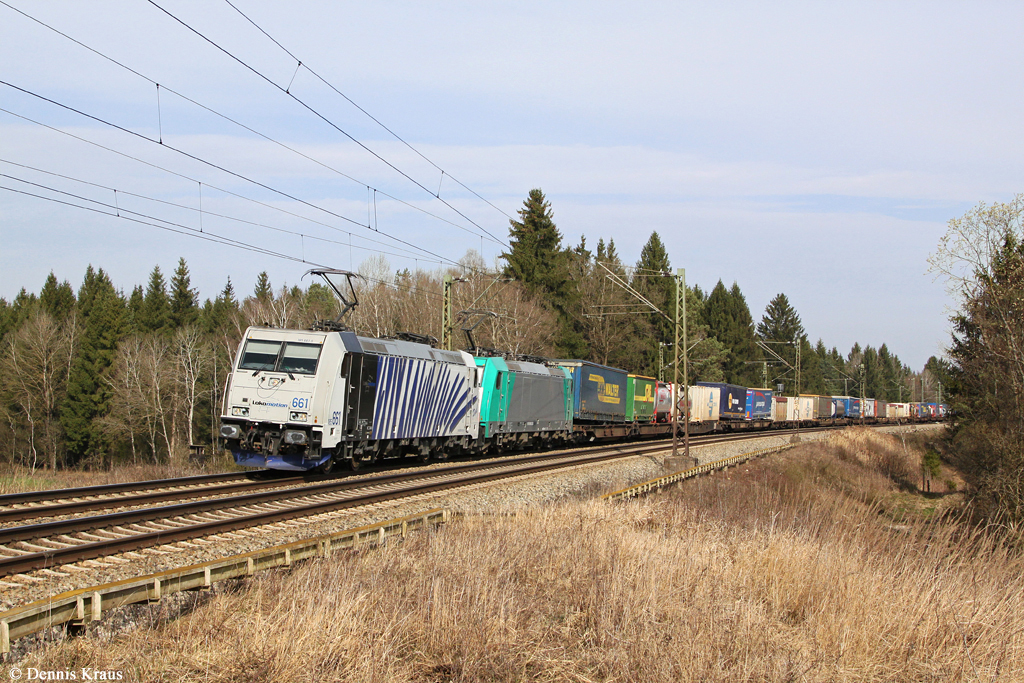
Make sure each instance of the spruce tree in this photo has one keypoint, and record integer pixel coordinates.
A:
(780, 327)
(155, 314)
(535, 256)
(729, 321)
(263, 291)
(88, 396)
(135, 311)
(57, 299)
(5, 318)
(652, 279)
(537, 259)
(184, 306)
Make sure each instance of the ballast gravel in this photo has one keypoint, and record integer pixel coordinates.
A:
(498, 497)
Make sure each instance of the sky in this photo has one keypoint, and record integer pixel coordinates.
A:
(813, 149)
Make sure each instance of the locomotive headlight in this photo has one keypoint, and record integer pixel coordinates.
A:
(294, 437)
(230, 431)
(298, 417)
(238, 411)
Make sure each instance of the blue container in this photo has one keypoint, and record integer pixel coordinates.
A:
(854, 408)
(842, 404)
(599, 392)
(733, 405)
(758, 404)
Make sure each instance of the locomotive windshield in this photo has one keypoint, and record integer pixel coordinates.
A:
(296, 357)
(260, 355)
(300, 358)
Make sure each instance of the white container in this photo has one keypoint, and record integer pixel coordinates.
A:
(804, 408)
(867, 407)
(705, 403)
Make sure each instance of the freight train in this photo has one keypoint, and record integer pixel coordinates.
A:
(315, 399)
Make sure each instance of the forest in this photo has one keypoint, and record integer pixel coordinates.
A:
(102, 375)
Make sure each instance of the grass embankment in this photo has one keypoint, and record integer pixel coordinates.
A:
(21, 479)
(813, 565)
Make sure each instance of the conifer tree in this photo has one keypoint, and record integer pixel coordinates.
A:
(537, 259)
(780, 327)
(135, 311)
(88, 396)
(184, 305)
(57, 299)
(156, 309)
(729, 321)
(652, 279)
(535, 256)
(263, 291)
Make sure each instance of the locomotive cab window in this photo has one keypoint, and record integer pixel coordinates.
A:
(300, 358)
(260, 354)
(294, 357)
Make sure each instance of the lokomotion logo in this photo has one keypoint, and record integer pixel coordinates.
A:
(606, 393)
(269, 404)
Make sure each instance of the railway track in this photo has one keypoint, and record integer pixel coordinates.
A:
(20, 507)
(54, 543)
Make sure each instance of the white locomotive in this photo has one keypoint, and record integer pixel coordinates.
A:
(302, 400)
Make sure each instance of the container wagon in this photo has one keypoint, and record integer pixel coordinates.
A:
(705, 403)
(784, 409)
(599, 392)
(842, 406)
(733, 400)
(641, 398)
(805, 408)
(867, 407)
(758, 405)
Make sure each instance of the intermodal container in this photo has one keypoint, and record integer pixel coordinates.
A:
(641, 396)
(881, 409)
(867, 407)
(854, 408)
(805, 407)
(599, 392)
(705, 403)
(733, 401)
(785, 408)
(663, 406)
(759, 404)
(842, 406)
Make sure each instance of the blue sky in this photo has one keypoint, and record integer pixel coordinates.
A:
(808, 148)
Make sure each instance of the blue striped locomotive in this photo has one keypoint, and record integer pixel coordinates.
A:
(303, 400)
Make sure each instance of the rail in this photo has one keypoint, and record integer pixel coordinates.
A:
(660, 482)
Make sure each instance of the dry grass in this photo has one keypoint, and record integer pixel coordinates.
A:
(780, 570)
(19, 479)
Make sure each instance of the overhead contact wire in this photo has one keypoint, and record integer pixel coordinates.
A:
(318, 115)
(216, 166)
(410, 254)
(240, 124)
(368, 114)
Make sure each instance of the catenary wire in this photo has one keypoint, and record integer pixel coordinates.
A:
(215, 187)
(246, 127)
(180, 229)
(373, 118)
(316, 113)
(207, 212)
(216, 166)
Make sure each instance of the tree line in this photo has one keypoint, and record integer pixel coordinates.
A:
(100, 376)
(981, 257)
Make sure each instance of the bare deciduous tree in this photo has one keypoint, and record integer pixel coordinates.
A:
(35, 363)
